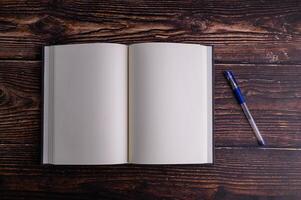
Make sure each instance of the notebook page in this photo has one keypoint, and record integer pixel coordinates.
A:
(169, 90)
(89, 103)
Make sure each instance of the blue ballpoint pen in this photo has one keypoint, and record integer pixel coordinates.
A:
(241, 100)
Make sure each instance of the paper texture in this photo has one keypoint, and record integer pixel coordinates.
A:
(168, 104)
(89, 104)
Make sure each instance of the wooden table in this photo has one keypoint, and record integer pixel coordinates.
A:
(259, 40)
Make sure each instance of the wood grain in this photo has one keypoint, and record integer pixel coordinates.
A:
(238, 174)
(246, 32)
(259, 40)
(20, 96)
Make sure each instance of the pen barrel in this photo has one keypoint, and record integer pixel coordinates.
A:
(252, 123)
(241, 100)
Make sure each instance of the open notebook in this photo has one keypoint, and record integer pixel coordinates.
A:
(148, 103)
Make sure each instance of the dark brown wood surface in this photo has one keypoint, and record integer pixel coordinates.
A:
(259, 40)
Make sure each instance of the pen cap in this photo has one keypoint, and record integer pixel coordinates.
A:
(230, 77)
(236, 90)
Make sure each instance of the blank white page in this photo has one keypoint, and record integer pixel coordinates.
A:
(89, 103)
(170, 103)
